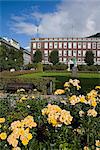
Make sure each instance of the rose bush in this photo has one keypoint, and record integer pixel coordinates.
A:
(66, 121)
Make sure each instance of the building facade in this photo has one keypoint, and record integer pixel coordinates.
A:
(68, 48)
(11, 43)
(26, 56)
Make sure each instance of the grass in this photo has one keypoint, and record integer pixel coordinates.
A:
(54, 74)
(88, 80)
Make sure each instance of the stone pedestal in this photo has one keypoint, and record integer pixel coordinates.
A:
(74, 72)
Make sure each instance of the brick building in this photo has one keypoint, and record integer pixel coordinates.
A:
(68, 48)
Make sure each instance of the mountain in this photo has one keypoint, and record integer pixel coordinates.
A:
(97, 35)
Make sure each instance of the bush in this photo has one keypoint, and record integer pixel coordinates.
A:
(88, 68)
(39, 67)
(58, 66)
(29, 66)
(51, 123)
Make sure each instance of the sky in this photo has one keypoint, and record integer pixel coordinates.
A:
(21, 19)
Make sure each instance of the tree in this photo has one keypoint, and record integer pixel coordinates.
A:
(54, 58)
(37, 57)
(89, 58)
(10, 58)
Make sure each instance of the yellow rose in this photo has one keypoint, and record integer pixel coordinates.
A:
(86, 148)
(2, 120)
(3, 135)
(97, 143)
(29, 136)
(94, 103)
(59, 91)
(25, 141)
(16, 148)
(97, 87)
(92, 112)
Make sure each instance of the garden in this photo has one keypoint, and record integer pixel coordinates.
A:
(67, 120)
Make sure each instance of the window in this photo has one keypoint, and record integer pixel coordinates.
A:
(38, 45)
(98, 53)
(65, 53)
(65, 45)
(89, 45)
(34, 45)
(84, 45)
(50, 45)
(98, 60)
(64, 60)
(34, 52)
(69, 44)
(94, 45)
(46, 45)
(69, 53)
(45, 53)
(74, 45)
(84, 52)
(60, 59)
(55, 44)
(60, 52)
(98, 45)
(79, 45)
(79, 53)
(79, 59)
(94, 53)
(60, 44)
(74, 53)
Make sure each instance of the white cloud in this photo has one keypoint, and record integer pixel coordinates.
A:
(70, 18)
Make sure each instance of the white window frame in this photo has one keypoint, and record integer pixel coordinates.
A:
(55, 45)
(74, 45)
(89, 45)
(98, 53)
(60, 44)
(65, 53)
(45, 52)
(50, 45)
(65, 45)
(46, 45)
(60, 52)
(98, 45)
(94, 45)
(84, 53)
(34, 45)
(69, 45)
(84, 45)
(60, 59)
(69, 52)
(79, 53)
(74, 53)
(79, 45)
(38, 45)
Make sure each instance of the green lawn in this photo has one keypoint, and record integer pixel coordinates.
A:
(88, 80)
(54, 74)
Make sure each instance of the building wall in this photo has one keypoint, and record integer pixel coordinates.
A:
(67, 48)
(27, 58)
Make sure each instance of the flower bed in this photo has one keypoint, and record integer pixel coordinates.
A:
(67, 122)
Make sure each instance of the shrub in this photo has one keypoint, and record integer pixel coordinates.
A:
(39, 67)
(88, 68)
(59, 123)
(58, 66)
